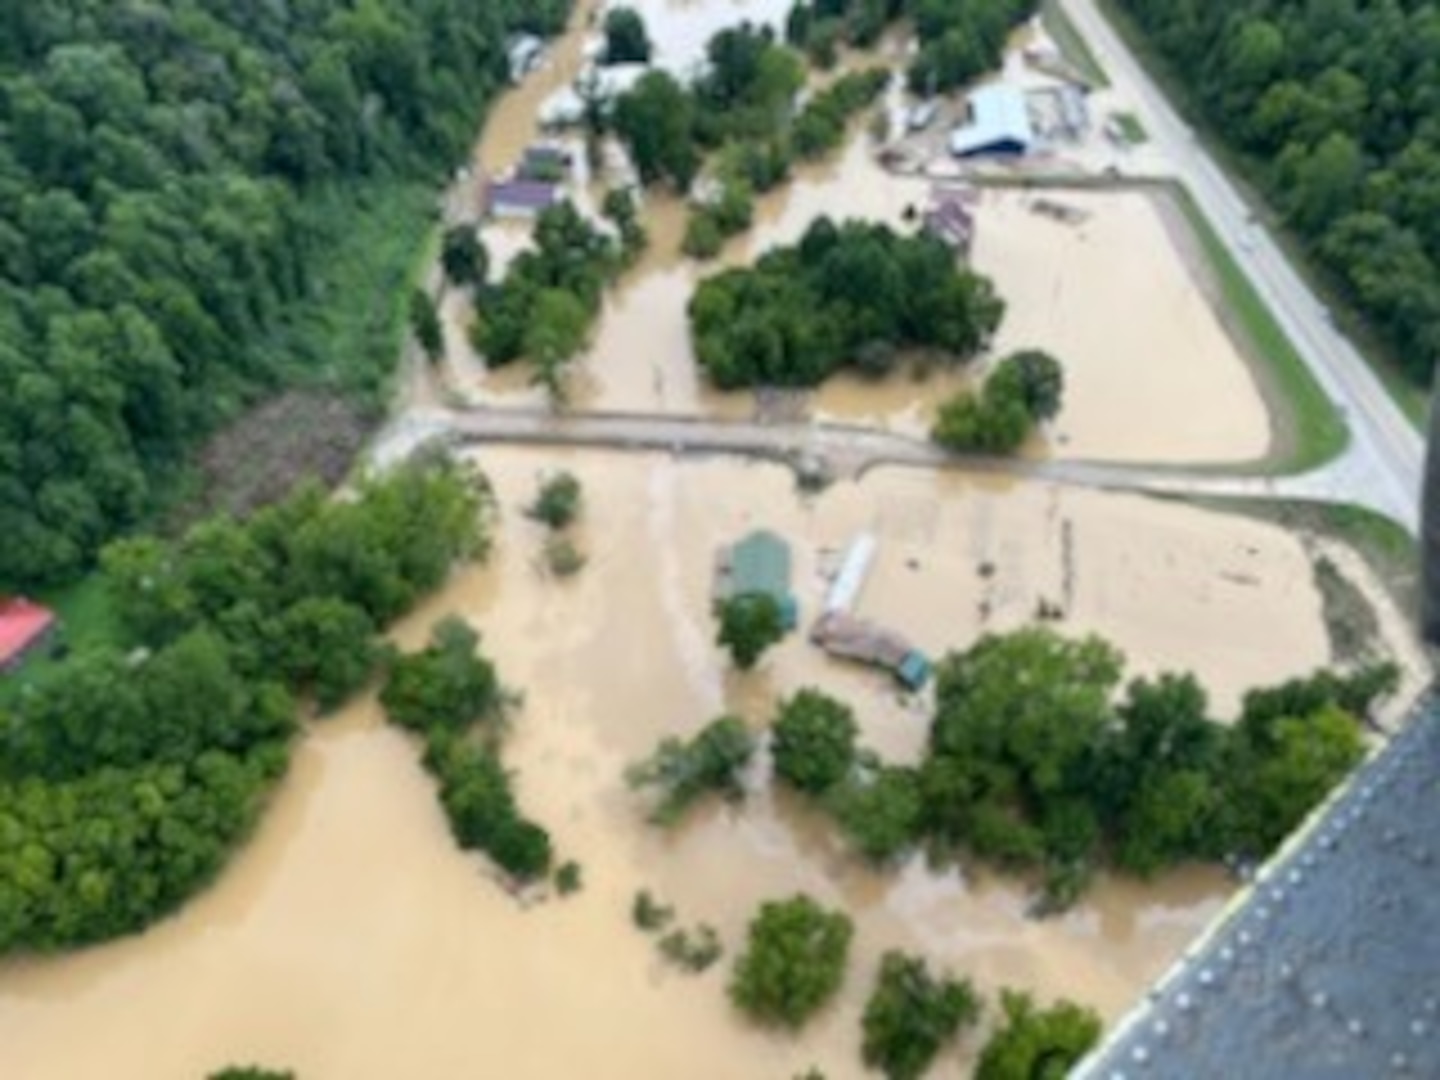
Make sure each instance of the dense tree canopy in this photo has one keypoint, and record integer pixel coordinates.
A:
(446, 686)
(656, 118)
(626, 41)
(157, 178)
(449, 693)
(550, 296)
(803, 312)
(1333, 106)
(126, 778)
(1032, 762)
(958, 41)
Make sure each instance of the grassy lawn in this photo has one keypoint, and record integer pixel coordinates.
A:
(1131, 128)
(1412, 399)
(1318, 433)
(1077, 51)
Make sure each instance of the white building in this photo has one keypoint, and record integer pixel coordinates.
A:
(999, 123)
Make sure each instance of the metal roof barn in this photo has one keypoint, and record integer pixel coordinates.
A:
(759, 563)
(999, 123)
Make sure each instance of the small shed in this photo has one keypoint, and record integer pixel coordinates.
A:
(759, 563)
(518, 198)
(842, 634)
(24, 627)
(998, 123)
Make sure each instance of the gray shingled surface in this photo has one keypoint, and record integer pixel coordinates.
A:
(1331, 969)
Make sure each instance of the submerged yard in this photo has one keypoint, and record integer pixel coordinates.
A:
(352, 940)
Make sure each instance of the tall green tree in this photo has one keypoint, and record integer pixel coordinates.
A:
(793, 963)
(911, 1014)
(463, 257)
(749, 624)
(813, 741)
(447, 686)
(1034, 1042)
(656, 118)
(684, 770)
(626, 41)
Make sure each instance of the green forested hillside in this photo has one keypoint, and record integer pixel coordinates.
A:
(1337, 104)
(173, 176)
(127, 778)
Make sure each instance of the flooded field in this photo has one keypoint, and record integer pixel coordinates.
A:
(351, 940)
(1151, 373)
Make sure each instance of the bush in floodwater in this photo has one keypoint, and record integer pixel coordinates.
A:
(692, 950)
(562, 558)
(649, 914)
(912, 1014)
(794, 961)
(559, 500)
(684, 770)
(568, 879)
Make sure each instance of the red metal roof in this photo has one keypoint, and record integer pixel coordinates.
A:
(21, 622)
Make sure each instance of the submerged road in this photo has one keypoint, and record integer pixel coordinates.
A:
(1384, 462)
(823, 449)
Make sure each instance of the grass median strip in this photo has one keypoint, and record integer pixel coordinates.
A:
(1073, 46)
(1317, 432)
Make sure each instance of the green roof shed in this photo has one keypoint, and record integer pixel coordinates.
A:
(760, 563)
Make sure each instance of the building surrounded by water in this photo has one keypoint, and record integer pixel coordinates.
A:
(998, 123)
(758, 563)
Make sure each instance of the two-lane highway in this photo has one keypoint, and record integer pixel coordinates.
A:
(1384, 461)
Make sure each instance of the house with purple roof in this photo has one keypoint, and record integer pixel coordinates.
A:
(518, 198)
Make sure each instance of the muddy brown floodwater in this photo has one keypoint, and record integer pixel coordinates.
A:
(351, 940)
(1151, 374)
